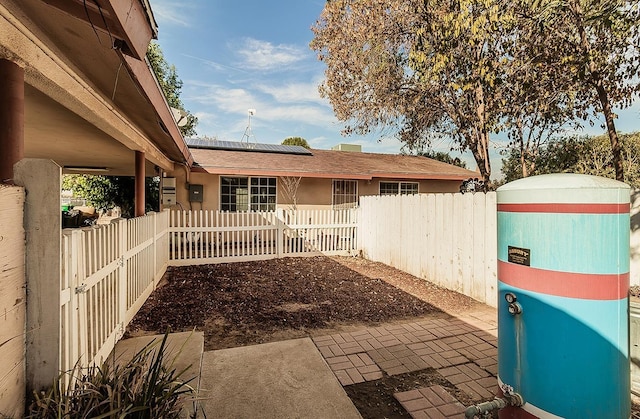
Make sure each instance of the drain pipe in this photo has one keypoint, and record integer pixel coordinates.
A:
(513, 399)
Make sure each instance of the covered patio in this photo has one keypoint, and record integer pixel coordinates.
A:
(78, 97)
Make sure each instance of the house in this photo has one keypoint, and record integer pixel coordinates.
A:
(77, 96)
(240, 176)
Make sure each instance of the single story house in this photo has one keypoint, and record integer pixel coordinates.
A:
(241, 176)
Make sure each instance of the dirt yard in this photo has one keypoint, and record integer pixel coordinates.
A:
(239, 304)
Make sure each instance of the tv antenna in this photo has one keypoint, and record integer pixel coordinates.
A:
(248, 134)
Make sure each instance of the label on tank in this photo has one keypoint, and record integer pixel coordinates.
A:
(519, 255)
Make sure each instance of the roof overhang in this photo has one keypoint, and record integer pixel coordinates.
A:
(91, 99)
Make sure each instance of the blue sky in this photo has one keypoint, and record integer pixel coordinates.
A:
(254, 54)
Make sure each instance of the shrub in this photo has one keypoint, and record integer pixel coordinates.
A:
(144, 387)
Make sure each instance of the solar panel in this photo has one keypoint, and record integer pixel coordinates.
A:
(242, 146)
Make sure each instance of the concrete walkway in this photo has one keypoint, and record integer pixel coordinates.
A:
(303, 378)
(286, 379)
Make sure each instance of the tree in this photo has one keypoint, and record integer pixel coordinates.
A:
(418, 68)
(365, 44)
(587, 155)
(171, 86)
(106, 192)
(535, 106)
(290, 186)
(442, 156)
(296, 141)
(597, 43)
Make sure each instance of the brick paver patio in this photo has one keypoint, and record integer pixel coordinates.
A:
(462, 349)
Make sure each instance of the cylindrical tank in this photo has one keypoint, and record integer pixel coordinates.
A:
(563, 282)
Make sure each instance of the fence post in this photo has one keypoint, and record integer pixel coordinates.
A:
(279, 232)
(122, 273)
(155, 249)
(80, 330)
(41, 179)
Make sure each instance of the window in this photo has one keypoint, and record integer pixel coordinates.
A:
(345, 193)
(263, 194)
(244, 194)
(395, 188)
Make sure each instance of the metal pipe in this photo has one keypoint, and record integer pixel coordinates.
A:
(513, 399)
(486, 407)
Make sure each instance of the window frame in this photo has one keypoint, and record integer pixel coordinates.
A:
(344, 204)
(256, 200)
(400, 185)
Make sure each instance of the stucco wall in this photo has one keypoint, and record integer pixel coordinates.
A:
(12, 302)
(311, 193)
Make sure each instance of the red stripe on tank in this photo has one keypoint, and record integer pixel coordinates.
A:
(565, 284)
(559, 208)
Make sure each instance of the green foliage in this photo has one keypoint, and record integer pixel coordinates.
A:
(171, 85)
(296, 141)
(147, 386)
(590, 49)
(443, 157)
(470, 68)
(587, 155)
(106, 192)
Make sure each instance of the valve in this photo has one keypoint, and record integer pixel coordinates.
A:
(515, 308)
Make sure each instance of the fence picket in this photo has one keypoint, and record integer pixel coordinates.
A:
(107, 273)
(260, 235)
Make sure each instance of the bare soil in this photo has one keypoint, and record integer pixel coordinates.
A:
(238, 304)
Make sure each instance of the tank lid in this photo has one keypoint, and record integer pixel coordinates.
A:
(563, 181)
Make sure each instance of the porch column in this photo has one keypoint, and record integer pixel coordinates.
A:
(11, 118)
(139, 184)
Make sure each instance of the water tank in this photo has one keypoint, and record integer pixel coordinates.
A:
(563, 282)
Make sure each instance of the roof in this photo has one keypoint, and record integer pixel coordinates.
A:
(326, 164)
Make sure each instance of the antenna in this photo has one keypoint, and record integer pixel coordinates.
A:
(247, 132)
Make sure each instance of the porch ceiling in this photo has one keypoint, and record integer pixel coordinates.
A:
(53, 132)
(87, 103)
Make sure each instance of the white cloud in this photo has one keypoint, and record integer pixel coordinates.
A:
(294, 92)
(171, 12)
(215, 65)
(263, 55)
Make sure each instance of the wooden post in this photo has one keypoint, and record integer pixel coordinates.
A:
(11, 118)
(139, 184)
(42, 221)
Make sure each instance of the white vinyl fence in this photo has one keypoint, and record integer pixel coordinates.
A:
(448, 239)
(200, 237)
(107, 274)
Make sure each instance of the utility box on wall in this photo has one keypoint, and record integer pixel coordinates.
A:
(168, 191)
(195, 193)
